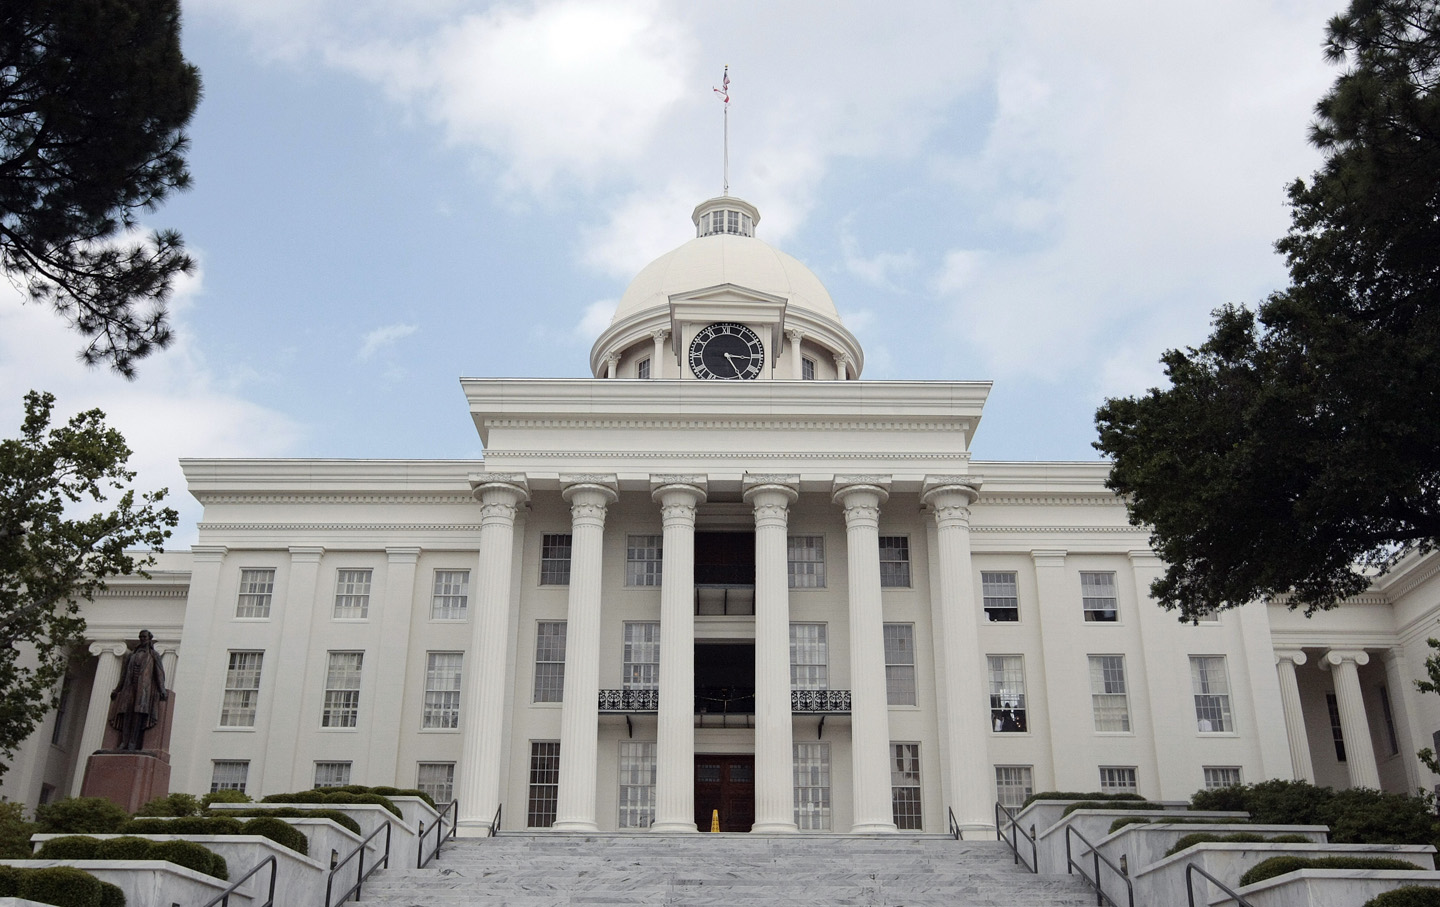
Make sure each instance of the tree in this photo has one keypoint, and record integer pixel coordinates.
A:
(1297, 451)
(94, 98)
(50, 558)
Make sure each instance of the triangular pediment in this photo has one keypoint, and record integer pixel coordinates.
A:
(727, 293)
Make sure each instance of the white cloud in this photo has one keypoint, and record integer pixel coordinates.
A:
(596, 319)
(382, 337)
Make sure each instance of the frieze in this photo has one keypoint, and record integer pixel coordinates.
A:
(913, 425)
(710, 455)
(339, 527)
(272, 497)
(145, 591)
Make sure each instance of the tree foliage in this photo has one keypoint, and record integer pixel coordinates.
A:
(1297, 451)
(94, 98)
(51, 558)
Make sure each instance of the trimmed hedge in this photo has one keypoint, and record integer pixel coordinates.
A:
(1206, 837)
(1279, 866)
(224, 796)
(182, 853)
(334, 795)
(173, 805)
(80, 816)
(335, 816)
(1170, 819)
(1073, 795)
(280, 832)
(1111, 804)
(15, 833)
(1355, 816)
(1408, 896)
(64, 886)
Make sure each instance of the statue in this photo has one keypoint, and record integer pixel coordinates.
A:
(139, 693)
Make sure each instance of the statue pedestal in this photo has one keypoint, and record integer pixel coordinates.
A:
(128, 779)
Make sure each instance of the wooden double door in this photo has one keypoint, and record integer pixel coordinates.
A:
(726, 784)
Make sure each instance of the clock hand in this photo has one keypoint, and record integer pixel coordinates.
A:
(731, 357)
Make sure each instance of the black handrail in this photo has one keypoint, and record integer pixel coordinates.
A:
(1034, 865)
(1191, 869)
(955, 831)
(223, 898)
(420, 858)
(1101, 898)
(495, 822)
(361, 875)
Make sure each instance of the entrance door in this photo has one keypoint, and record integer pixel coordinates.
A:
(727, 784)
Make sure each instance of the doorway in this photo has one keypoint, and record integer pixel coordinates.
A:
(725, 784)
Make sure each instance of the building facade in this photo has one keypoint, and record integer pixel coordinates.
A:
(726, 583)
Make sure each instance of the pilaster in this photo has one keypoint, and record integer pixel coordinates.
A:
(394, 611)
(296, 609)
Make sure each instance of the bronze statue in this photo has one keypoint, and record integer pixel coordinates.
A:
(139, 693)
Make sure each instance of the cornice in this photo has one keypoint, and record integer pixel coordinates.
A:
(666, 423)
(1059, 530)
(142, 591)
(734, 455)
(1080, 499)
(336, 497)
(331, 527)
(1414, 577)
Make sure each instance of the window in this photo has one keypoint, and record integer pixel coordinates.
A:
(812, 786)
(900, 664)
(1118, 780)
(1338, 735)
(352, 594)
(436, 779)
(1097, 592)
(642, 656)
(229, 775)
(1221, 776)
(1001, 598)
(809, 657)
(1212, 693)
(256, 589)
(1013, 783)
(806, 559)
(807, 369)
(1389, 716)
(1108, 695)
(442, 690)
(342, 690)
(555, 559)
(905, 785)
(332, 774)
(637, 785)
(894, 561)
(643, 560)
(550, 661)
(1007, 693)
(242, 689)
(642, 369)
(451, 598)
(544, 783)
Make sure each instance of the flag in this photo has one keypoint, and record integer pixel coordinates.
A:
(724, 90)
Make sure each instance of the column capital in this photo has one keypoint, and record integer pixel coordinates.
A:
(1296, 657)
(795, 334)
(659, 334)
(844, 486)
(207, 553)
(588, 500)
(949, 498)
(678, 500)
(752, 481)
(967, 485)
(771, 501)
(306, 554)
(515, 482)
(606, 481)
(109, 645)
(664, 481)
(1048, 557)
(402, 555)
(1335, 657)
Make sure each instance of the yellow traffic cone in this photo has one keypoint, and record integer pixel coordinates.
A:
(714, 820)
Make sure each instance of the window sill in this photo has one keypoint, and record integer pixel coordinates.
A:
(338, 730)
(1011, 733)
(1114, 733)
(546, 705)
(251, 620)
(1217, 733)
(233, 729)
(440, 730)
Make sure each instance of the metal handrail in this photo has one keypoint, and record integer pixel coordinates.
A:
(1101, 898)
(420, 858)
(1191, 869)
(955, 831)
(361, 875)
(1034, 865)
(223, 898)
(495, 822)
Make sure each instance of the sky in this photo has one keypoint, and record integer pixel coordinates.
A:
(391, 194)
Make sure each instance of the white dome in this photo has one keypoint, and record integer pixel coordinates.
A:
(709, 261)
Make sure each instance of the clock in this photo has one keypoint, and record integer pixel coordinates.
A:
(726, 350)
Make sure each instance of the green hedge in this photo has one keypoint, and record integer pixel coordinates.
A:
(280, 832)
(1170, 819)
(15, 833)
(80, 816)
(172, 805)
(1278, 866)
(335, 816)
(182, 853)
(63, 886)
(224, 796)
(1112, 804)
(1408, 896)
(336, 795)
(1355, 816)
(1073, 795)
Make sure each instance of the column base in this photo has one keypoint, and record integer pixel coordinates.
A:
(672, 828)
(773, 828)
(575, 825)
(873, 828)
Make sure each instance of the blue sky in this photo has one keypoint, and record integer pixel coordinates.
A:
(389, 195)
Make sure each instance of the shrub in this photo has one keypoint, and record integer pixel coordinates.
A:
(173, 805)
(126, 848)
(111, 895)
(224, 796)
(80, 816)
(182, 853)
(188, 825)
(1206, 837)
(334, 815)
(1290, 839)
(1408, 896)
(10, 880)
(64, 886)
(1355, 816)
(192, 856)
(1171, 819)
(279, 831)
(15, 833)
(337, 795)
(1111, 804)
(403, 792)
(1073, 795)
(1278, 866)
(70, 847)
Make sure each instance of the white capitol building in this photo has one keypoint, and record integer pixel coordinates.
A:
(725, 578)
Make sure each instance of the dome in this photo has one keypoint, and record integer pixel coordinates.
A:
(721, 258)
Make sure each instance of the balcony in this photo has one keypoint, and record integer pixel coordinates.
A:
(629, 701)
(828, 702)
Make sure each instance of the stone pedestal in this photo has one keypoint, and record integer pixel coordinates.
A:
(131, 778)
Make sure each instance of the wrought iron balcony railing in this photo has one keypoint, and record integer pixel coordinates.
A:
(629, 700)
(820, 701)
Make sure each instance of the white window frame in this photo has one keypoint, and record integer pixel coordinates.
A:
(344, 671)
(895, 569)
(436, 779)
(807, 368)
(1009, 709)
(1119, 779)
(241, 699)
(644, 559)
(332, 774)
(1218, 776)
(444, 672)
(637, 784)
(352, 592)
(1013, 784)
(805, 561)
(906, 789)
(899, 663)
(812, 786)
(555, 549)
(229, 774)
(641, 654)
(1109, 694)
(1000, 595)
(1099, 607)
(256, 593)
(543, 794)
(450, 595)
(642, 369)
(1210, 679)
(809, 656)
(550, 641)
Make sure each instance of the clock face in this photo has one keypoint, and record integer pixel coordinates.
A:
(726, 350)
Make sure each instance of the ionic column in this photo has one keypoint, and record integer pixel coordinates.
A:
(657, 359)
(588, 497)
(612, 362)
(483, 696)
(1286, 661)
(964, 726)
(107, 674)
(842, 364)
(771, 496)
(675, 734)
(797, 364)
(1344, 665)
(861, 496)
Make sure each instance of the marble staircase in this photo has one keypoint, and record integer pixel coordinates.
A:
(890, 871)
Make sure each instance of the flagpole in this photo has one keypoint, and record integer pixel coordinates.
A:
(727, 149)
